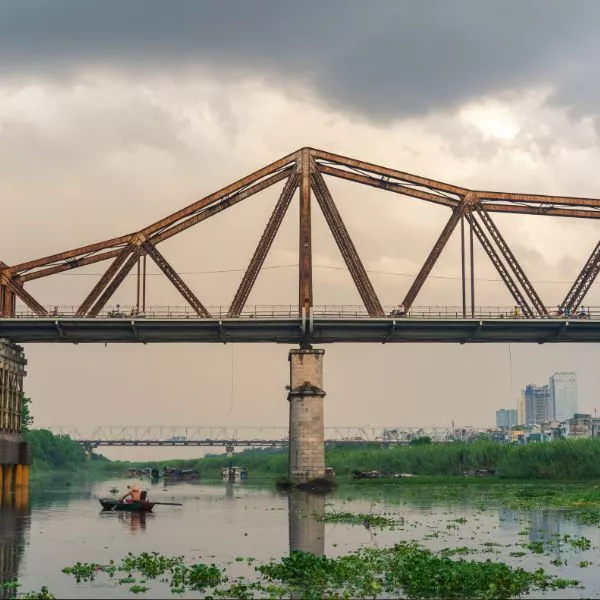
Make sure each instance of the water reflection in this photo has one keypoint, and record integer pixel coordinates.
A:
(229, 491)
(14, 526)
(306, 525)
(135, 521)
(543, 525)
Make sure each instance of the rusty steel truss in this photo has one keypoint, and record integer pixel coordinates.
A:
(304, 171)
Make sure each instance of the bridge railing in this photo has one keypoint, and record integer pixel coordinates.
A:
(290, 311)
(184, 435)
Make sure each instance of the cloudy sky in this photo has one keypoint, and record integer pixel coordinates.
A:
(114, 114)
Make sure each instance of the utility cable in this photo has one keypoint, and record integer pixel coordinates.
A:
(332, 267)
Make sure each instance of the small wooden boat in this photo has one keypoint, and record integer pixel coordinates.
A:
(138, 506)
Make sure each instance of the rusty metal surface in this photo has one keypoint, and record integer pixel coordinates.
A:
(47, 260)
(175, 279)
(539, 199)
(320, 155)
(70, 264)
(305, 291)
(548, 211)
(439, 245)
(24, 295)
(127, 249)
(264, 245)
(104, 280)
(584, 281)
(345, 245)
(386, 184)
(497, 262)
(221, 205)
(116, 282)
(513, 263)
(226, 191)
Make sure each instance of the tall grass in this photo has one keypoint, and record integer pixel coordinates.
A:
(563, 459)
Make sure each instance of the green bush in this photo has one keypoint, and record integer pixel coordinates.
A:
(54, 452)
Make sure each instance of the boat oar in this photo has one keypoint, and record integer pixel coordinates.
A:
(167, 503)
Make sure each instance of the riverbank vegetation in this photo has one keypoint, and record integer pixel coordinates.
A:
(568, 459)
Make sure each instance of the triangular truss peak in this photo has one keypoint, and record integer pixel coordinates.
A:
(304, 170)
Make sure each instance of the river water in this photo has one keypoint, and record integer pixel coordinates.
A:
(60, 524)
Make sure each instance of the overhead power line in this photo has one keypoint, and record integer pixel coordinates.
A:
(333, 267)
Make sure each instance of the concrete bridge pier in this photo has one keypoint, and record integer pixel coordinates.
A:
(307, 433)
(15, 453)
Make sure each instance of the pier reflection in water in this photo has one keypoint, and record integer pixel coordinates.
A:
(14, 526)
(307, 528)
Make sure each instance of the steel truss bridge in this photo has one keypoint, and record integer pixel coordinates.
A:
(23, 318)
(231, 437)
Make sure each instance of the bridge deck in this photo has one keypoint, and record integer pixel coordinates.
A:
(296, 330)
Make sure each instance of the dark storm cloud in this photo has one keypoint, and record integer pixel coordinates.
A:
(380, 59)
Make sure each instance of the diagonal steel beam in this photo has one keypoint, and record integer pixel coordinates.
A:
(497, 262)
(175, 279)
(550, 211)
(166, 233)
(47, 260)
(264, 245)
(104, 281)
(345, 245)
(321, 155)
(222, 193)
(584, 281)
(72, 264)
(222, 204)
(440, 244)
(25, 296)
(512, 262)
(385, 184)
(539, 199)
(116, 282)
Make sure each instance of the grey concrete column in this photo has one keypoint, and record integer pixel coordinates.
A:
(307, 434)
(307, 528)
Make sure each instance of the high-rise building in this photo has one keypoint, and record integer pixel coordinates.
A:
(539, 406)
(563, 387)
(521, 415)
(506, 418)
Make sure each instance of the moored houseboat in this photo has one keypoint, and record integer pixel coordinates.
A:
(233, 473)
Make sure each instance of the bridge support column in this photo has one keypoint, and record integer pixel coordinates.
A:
(15, 453)
(307, 434)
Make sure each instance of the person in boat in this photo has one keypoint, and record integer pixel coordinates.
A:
(133, 495)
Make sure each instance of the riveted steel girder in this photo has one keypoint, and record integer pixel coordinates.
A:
(264, 245)
(162, 263)
(135, 253)
(439, 245)
(345, 245)
(584, 281)
(512, 262)
(497, 262)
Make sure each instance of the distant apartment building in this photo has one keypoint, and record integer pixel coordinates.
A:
(506, 418)
(563, 388)
(521, 409)
(539, 404)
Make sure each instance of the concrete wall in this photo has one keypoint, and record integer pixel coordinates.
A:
(307, 434)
